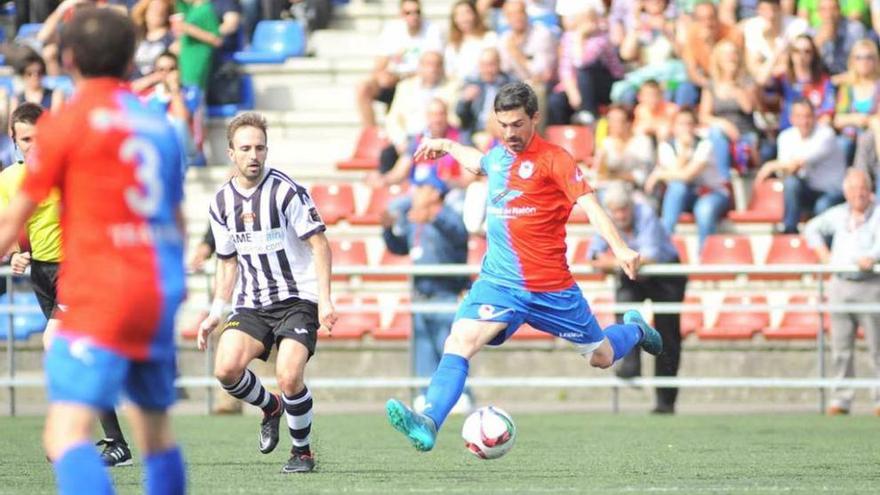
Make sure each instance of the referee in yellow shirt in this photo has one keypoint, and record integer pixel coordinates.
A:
(44, 235)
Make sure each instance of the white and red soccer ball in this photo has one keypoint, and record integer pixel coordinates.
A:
(489, 432)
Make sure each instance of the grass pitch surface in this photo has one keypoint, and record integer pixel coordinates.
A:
(555, 453)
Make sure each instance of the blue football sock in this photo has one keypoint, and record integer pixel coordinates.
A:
(446, 387)
(80, 470)
(165, 473)
(623, 338)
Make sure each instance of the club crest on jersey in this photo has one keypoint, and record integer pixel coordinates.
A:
(313, 214)
(526, 169)
(248, 217)
(486, 311)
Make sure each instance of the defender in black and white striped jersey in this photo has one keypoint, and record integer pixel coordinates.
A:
(266, 229)
(274, 263)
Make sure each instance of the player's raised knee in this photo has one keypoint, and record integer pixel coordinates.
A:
(228, 372)
(290, 382)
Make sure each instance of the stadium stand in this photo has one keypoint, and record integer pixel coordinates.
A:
(335, 201)
(577, 140)
(273, 43)
(370, 143)
(721, 249)
(737, 325)
(379, 199)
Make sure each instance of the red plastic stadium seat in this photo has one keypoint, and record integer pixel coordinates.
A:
(370, 144)
(391, 259)
(681, 246)
(348, 253)
(787, 250)
(335, 201)
(400, 327)
(691, 320)
(796, 324)
(580, 258)
(379, 199)
(576, 139)
(528, 332)
(353, 325)
(766, 204)
(737, 325)
(725, 250)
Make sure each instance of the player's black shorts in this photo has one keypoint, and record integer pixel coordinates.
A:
(291, 319)
(44, 278)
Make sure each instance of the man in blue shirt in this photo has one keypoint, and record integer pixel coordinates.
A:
(431, 232)
(642, 231)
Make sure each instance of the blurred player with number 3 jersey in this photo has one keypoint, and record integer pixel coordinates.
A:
(117, 166)
(44, 258)
(524, 277)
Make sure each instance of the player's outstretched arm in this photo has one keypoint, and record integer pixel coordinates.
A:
(224, 282)
(627, 258)
(13, 218)
(323, 268)
(466, 156)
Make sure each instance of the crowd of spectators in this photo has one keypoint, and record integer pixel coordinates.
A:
(684, 97)
(184, 50)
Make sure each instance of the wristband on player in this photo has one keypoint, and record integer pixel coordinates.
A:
(217, 308)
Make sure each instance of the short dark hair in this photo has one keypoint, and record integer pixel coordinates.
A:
(800, 100)
(30, 58)
(168, 54)
(247, 119)
(25, 113)
(687, 110)
(516, 95)
(771, 2)
(102, 41)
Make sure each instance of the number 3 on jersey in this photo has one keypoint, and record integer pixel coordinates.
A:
(145, 198)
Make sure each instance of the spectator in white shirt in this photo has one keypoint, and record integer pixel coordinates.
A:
(854, 228)
(402, 43)
(813, 162)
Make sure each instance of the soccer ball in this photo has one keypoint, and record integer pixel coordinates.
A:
(488, 433)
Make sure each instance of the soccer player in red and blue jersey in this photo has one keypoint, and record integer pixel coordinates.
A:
(117, 165)
(524, 278)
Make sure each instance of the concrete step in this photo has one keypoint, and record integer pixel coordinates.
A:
(336, 42)
(314, 138)
(276, 94)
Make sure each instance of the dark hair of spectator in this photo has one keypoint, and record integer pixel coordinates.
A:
(651, 83)
(800, 100)
(102, 41)
(26, 113)
(771, 2)
(516, 95)
(817, 67)
(617, 107)
(29, 59)
(247, 119)
(687, 110)
(456, 36)
(169, 54)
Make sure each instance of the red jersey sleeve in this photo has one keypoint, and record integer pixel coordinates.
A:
(45, 165)
(568, 176)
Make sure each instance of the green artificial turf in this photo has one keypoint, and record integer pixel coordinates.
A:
(554, 453)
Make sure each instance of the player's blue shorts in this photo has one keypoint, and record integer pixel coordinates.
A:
(564, 314)
(81, 372)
